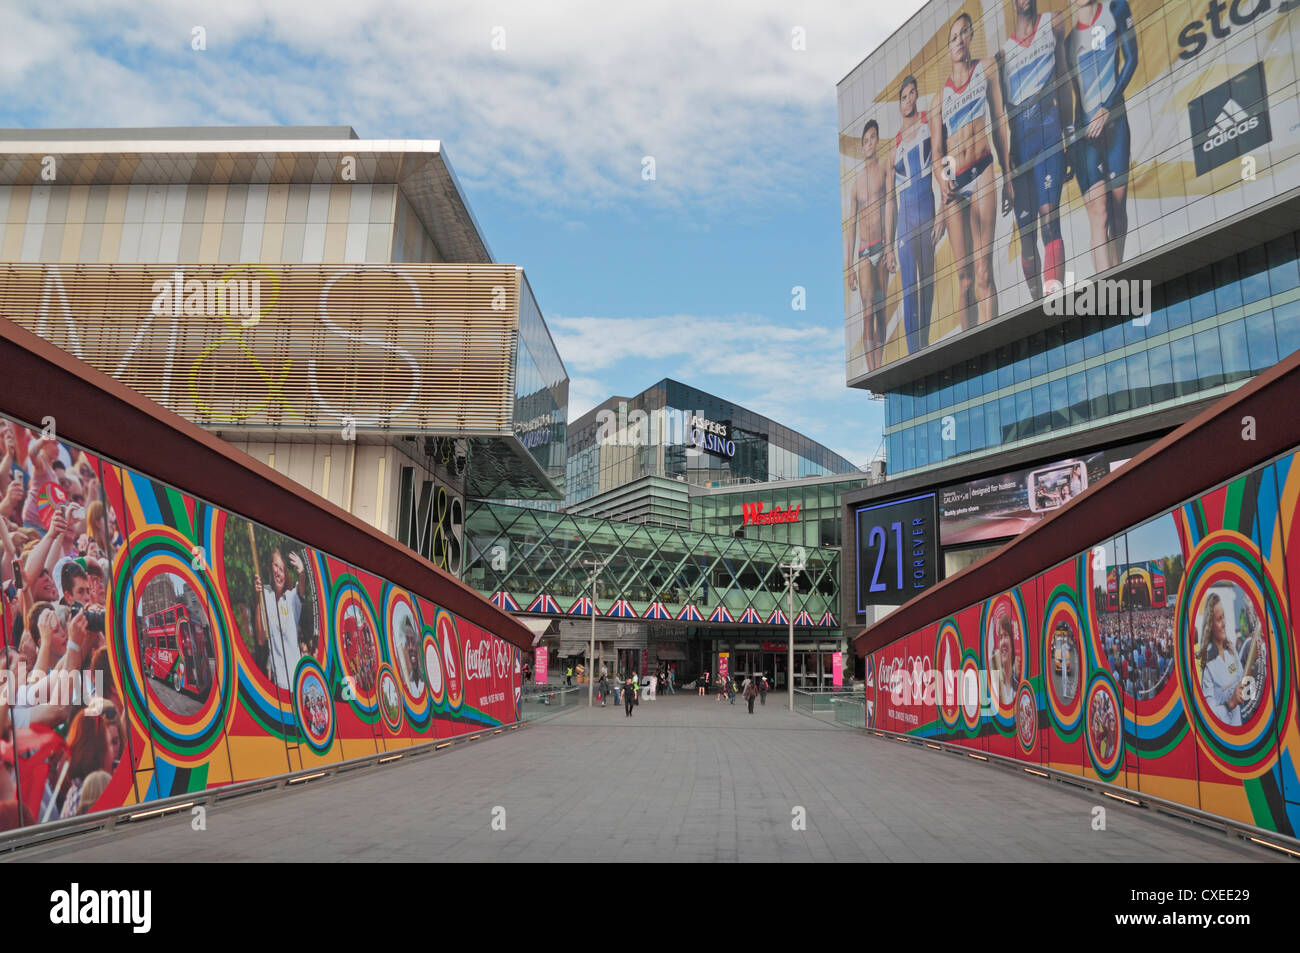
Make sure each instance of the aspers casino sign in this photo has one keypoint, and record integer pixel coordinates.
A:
(710, 436)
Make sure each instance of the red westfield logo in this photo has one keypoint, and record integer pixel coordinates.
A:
(754, 514)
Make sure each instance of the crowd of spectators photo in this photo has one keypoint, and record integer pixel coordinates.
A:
(60, 713)
(1139, 646)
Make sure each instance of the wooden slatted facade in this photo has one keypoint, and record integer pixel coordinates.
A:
(411, 348)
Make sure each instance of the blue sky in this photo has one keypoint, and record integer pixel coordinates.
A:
(547, 112)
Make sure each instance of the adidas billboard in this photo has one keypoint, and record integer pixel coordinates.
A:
(1222, 127)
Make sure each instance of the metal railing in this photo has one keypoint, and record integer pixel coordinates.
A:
(824, 700)
(850, 710)
(32, 835)
(1273, 840)
(543, 701)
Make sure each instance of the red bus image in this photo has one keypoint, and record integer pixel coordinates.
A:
(176, 651)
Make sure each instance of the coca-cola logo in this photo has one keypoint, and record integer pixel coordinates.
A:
(478, 662)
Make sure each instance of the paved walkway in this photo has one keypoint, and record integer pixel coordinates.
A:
(684, 779)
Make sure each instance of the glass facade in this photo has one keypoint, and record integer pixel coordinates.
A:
(528, 553)
(649, 435)
(819, 522)
(1209, 331)
(541, 390)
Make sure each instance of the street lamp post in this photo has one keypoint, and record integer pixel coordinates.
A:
(596, 566)
(796, 564)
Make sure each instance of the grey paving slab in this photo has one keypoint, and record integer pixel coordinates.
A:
(684, 779)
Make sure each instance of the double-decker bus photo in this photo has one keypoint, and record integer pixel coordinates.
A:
(176, 647)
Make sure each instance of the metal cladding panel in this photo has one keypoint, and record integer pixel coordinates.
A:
(304, 347)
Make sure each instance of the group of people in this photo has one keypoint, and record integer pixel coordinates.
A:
(628, 688)
(753, 687)
(1139, 646)
(61, 736)
(1050, 104)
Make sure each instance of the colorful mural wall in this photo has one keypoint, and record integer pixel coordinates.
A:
(1189, 696)
(156, 645)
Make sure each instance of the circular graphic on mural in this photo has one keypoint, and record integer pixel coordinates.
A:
(449, 639)
(968, 692)
(358, 650)
(1063, 662)
(311, 705)
(175, 628)
(390, 699)
(1026, 718)
(1003, 626)
(1103, 725)
(404, 643)
(947, 672)
(1234, 668)
(170, 649)
(433, 667)
(1230, 659)
(519, 684)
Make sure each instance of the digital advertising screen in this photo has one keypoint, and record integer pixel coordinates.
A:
(992, 148)
(1009, 503)
(897, 549)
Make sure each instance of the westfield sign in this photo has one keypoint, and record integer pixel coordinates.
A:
(754, 514)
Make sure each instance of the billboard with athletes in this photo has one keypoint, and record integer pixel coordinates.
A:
(992, 148)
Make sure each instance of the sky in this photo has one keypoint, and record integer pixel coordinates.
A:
(666, 173)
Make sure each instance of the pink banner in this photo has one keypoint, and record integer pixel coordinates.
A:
(540, 673)
(724, 659)
(837, 669)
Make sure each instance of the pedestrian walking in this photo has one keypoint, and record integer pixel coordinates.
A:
(568, 677)
(629, 694)
(751, 692)
(636, 688)
(762, 689)
(654, 687)
(603, 687)
(671, 690)
(702, 683)
(722, 688)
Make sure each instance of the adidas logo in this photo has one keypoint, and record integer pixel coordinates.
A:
(1233, 121)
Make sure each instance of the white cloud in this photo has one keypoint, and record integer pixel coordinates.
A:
(793, 375)
(581, 92)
